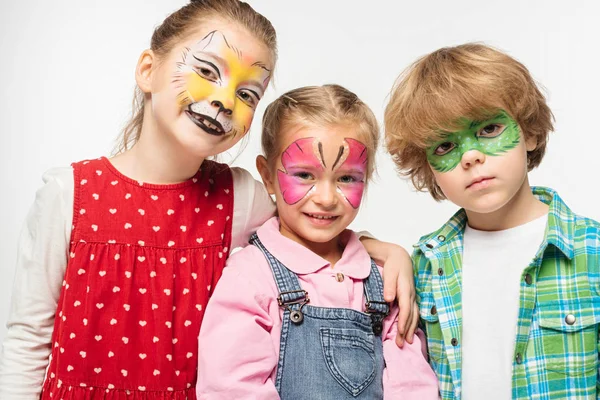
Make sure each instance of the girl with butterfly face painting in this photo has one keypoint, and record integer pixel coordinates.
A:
(306, 300)
(119, 257)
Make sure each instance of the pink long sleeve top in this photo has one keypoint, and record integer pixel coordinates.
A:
(240, 333)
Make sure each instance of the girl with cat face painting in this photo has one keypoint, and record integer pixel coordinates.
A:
(306, 298)
(119, 257)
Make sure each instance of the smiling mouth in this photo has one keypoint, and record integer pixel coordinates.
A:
(206, 123)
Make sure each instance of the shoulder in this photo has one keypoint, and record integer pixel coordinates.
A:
(59, 176)
(249, 264)
(586, 227)
(244, 183)
(58, 182)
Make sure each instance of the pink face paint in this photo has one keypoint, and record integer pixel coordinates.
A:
(352, 160)
(298, 160)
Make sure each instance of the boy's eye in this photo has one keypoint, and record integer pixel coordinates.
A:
(491, 131)
(249, 97)
(444, 148)
(304, 175)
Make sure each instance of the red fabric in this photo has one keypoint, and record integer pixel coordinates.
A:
(143, 262)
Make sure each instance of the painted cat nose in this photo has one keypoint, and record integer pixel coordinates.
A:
(221, 107)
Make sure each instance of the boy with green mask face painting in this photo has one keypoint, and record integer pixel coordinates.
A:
(509, 287)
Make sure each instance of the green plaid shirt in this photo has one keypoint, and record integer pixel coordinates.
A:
(556, 343)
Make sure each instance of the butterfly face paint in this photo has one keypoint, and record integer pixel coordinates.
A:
(492, 137)
(220, 86)
(305, 167)
(353, 164)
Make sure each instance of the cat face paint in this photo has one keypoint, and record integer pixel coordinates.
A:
(491, 137)
(305, 166)
(220, 86)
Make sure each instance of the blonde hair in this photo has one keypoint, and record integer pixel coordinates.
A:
(471, 80)
(326, 105)
(180, 23)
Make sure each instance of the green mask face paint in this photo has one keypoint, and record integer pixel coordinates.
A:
(492, 137)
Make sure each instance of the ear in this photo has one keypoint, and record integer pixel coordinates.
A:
(265, 173)
(530, 143)
(143, 71)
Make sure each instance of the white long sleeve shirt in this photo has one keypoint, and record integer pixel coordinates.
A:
(41, 262)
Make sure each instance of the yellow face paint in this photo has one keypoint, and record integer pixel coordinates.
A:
(221, 87)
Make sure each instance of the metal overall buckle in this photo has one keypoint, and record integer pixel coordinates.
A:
(296, 316)
(377, 317)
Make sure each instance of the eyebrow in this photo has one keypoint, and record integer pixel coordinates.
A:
(261, 65)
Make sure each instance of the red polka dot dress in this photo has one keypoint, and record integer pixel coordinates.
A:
(143, 260)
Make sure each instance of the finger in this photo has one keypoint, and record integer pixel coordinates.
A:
(390, 283)
(399, 340)
(414, 324)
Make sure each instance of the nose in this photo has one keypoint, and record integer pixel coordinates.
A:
(326, 195)
(221, 107)
(471, 158)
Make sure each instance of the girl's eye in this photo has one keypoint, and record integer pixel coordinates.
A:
(207, 73)
(444, 148)
(249, 97)
(491, 131)
(348, 179)
(303, 175)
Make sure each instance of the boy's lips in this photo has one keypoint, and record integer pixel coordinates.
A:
(479, 182)
(206, 123)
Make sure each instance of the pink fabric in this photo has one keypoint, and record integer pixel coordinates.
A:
(239, 337)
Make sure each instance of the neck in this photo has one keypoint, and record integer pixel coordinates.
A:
(156, 157)
(330, 251)
(523, 207)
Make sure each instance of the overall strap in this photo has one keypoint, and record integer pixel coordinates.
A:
(375, 305)
(290, 291)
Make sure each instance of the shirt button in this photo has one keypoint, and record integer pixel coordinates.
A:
(429, 246)
(440, 272)
(570, 319)
(441, 238)
(339, 277)
(433, 310)
(528, 279)
(454, 342)
(519, 358)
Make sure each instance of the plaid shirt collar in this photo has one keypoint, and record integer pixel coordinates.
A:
(559, 229)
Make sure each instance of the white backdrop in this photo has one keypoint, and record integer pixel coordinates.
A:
(67, 75)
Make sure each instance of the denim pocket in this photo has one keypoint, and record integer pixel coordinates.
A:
(350, 357)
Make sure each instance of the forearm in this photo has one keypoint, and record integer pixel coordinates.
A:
(381, 252)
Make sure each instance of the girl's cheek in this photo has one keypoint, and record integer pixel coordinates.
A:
(197, 89)
(353, 193)
(242, 116)
(292, 190)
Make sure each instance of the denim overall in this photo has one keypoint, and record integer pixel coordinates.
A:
(328, 353)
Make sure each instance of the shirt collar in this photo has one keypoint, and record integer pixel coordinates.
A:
(355, 262)
(559, 229)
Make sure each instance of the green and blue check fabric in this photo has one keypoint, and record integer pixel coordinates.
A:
(557, 342)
